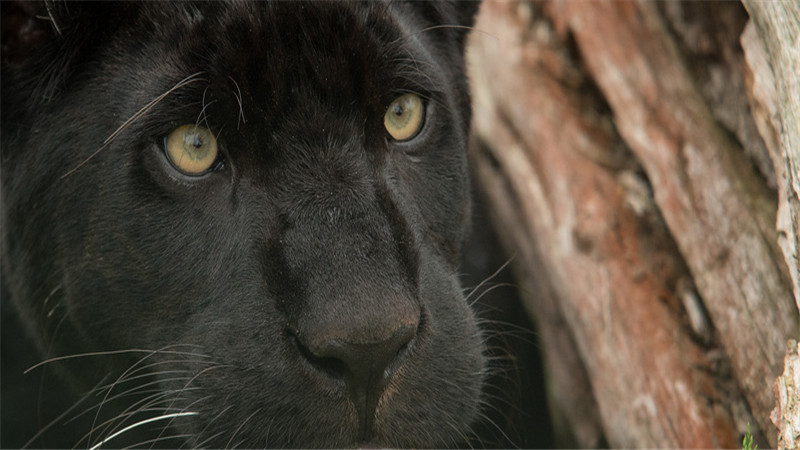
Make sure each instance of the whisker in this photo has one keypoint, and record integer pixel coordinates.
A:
(219, 133)
(189, 406)
(487, 322)
(49, 7)
(152, 394)
(196, 376)
(179, 392)
(499, 328)
(486, 291)
(269, 430)
(239, 101)
(452, 424)
(149, 375)
(108, 426)
(491, 277)
(142, 370)
(209, 439)
(113, 352)
(211, 422)
(241, 425)
(153, 441)
(487, 419)
(50, 346)
(190, 79)
(439, 27)
(100, 387)
(137, 390)
(50, 295)
(146, 405)
(61, 416)
(202, 113)
(499, 399)
(121, 378)
(140, 423)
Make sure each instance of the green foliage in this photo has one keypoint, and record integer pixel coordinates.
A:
(747, 443)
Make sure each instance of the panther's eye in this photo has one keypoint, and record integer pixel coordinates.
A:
(192, 149)
(403, 118)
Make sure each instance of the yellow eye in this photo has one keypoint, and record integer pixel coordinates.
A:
(403, 118)
(192, 149)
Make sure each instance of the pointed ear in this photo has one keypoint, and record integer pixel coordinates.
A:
(26, 28)
(43, 41)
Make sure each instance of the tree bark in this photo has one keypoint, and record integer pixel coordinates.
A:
(617, 146)
(778, 28)
(772, 47)
(786, 415)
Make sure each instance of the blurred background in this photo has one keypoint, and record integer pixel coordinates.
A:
(640, 162)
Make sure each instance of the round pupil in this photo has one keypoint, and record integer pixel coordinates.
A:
(397, 110)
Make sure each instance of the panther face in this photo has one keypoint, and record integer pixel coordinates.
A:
(253, 212)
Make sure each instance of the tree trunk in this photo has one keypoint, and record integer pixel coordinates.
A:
(635, 161)
(778, 29)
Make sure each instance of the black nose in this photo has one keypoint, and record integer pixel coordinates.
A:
(365, 363)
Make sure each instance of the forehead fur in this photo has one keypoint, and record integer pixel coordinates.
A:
(333, 49)
(196, 34)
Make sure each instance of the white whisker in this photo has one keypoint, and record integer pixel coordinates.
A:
(238, 100)
(190, 79)
(490, 277)
(239, 428)
(140, 423)
(60, 416)
(112, 352)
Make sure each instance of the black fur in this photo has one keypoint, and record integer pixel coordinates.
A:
(226, 297)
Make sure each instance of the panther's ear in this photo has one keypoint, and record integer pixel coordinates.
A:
(25, 28)
(43, 42)
(31, 26)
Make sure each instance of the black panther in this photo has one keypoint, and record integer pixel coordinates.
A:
(238, 224)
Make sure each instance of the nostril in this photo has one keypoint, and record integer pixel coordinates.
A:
(362, 359)
(359, 362)
(329, 365)
(403, 340)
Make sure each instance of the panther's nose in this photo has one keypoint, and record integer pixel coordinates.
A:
(365, 360)
(364, 363)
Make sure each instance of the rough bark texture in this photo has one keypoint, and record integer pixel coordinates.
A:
(786, 415)
(778, 27)
(771, 44)
(628, 173)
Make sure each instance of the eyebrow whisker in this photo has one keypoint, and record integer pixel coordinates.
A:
(239, 101)
(190, 79)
